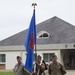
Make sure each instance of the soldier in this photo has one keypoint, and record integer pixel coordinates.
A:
(39, 69)
(44, 63)
(19, 67)
(55, 68)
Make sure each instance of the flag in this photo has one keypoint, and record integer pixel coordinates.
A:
(29, 44)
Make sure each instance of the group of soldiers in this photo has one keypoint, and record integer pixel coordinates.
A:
(54, 68)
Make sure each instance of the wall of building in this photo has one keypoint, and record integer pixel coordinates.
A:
(13, 51)
(11, 57)
(40, 52)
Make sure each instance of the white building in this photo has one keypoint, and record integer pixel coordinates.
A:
(54, 36)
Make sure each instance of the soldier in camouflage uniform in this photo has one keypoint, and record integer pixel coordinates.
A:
(55, 68)
(19, 67)
(39, 68)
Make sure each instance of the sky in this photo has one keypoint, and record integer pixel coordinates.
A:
(15, 15)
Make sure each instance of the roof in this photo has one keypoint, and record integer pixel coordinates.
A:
(60, 31)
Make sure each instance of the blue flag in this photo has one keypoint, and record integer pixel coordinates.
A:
(29, 44)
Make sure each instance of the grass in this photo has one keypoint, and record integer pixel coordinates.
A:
(6, 73)
(11, 73)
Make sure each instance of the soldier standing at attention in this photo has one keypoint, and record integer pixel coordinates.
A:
(19, 67)
(55, 68)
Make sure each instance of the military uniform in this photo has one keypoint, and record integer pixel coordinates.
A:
(19, 69)
(26, 72)
(56, 69)
(39, 69)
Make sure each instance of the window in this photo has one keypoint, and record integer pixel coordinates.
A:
(47, 56)
(74, 45)
(43, 34)
(2, 57)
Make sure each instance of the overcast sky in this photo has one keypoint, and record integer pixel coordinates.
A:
(15, 15)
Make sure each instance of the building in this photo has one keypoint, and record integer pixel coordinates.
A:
(54, 36)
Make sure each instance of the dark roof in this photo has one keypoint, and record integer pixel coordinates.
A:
(60, 31)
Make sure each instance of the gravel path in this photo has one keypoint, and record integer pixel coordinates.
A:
(69, 72)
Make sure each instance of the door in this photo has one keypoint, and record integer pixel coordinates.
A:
(2, 66)
(72, 60)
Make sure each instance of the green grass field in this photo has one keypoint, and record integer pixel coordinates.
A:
(11, 73)
(6, 73)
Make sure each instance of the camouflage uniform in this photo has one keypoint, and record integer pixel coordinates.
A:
(19, 69)
(56, 69)
(26, 72)
(39, 69)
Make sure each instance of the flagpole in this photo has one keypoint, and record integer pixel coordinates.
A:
(34, 4)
